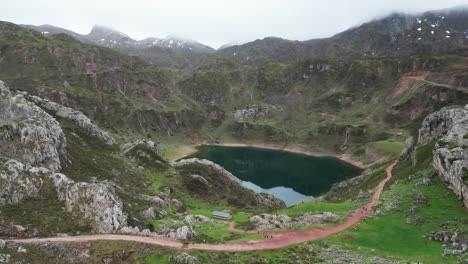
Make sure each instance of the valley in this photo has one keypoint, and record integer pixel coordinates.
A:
(347, 149)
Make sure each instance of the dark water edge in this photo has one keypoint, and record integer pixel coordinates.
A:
(292, 177)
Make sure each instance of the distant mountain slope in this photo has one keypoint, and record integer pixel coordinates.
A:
(264, 50)
(434, 32)
(169, 51)
(431, 33)
(110, 87)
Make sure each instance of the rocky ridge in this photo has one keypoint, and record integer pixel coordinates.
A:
(34, 151)
(448, 130)
(76, 117)
(262, 199)
(28, 133)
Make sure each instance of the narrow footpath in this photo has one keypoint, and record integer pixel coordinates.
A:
(278, 241)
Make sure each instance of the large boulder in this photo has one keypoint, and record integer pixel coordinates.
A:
(183, 233)
(28, 133)
(96, 202)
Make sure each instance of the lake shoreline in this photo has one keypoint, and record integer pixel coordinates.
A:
(298, 150)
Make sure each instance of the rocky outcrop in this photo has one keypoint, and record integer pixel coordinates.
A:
(409, 146)
(448, 125)
(150, 145)
(75, 117)
(145, 152)
(455, 243)
(196, 220)
(137, 231)
(18, 182)
(33, 151)
(29, 134)
(255, 112)
(270, 222)
(94, 201)
(208, 180)
(183, 233)
(183, 258)
(449, 129)
(452, 165)
(208, 163)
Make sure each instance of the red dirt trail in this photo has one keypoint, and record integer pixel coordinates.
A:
(278, 241)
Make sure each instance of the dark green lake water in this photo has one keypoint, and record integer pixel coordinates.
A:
(289, 176)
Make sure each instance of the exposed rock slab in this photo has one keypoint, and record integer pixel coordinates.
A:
(75, 117)
(17, 182)
(449, 129)
(94, 201)
(28, 133)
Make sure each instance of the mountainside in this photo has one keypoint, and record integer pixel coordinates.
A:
(430, 33)
(110, 87)
(335, 105)
(92, 127)
(169, 51)
(437, 32)
(55, 162)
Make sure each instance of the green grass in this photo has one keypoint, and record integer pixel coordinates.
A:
(387, 147)
(343, 208)
(219, 233)
(156, 259)
(390, 235)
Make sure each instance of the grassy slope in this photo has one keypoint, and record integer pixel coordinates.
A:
(390, 235)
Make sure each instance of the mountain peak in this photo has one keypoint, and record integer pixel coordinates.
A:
(105, 30)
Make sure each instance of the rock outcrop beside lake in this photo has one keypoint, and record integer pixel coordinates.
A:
(209, 181)
(448, 130)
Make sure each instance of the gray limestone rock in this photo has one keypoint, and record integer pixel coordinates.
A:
(96, 202)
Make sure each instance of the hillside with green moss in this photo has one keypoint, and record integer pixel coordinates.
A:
(89, 132)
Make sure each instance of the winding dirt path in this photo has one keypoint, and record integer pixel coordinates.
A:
(278, 241)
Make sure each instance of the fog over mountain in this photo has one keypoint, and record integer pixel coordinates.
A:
(211, 22)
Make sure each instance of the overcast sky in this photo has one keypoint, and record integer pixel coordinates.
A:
(212, 22)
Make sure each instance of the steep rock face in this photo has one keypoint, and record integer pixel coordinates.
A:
(449, 127)
(452, 165)
(76, 117)
(18, 182)
(208, 180)
(33, 151)
(95, 201)
(28, 133)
